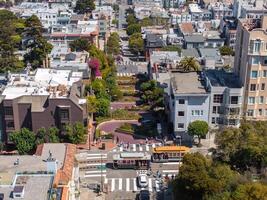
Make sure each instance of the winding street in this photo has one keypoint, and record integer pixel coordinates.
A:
(111, 126)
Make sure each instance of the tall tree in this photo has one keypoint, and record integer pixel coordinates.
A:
(80, 44)
(76, 133)
(136, 43)
(200, 178)
(84, 6)
(113, 44)
(24, 140)
(41, 136)
(37, 45)
(198, 128)
(250, 191)
(10, 38)
(133, 28)
(53, 136)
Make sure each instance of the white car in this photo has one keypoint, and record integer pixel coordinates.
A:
(142, 180)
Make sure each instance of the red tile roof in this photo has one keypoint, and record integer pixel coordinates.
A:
(64, 175)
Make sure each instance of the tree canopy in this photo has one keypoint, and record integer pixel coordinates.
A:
(10, 38)
(37, 45)
(84, 6)
(226, 51)
(151, 94)
(76, 133)
(244, 147)
(198, 128)
(113, 44)
(133, 28)
(188, 64)
(136, 43)
(24, 140)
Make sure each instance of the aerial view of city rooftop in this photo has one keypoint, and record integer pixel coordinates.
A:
(133, 100)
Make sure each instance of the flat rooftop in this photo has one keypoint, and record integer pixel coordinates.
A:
(187, 83)
(44, 82)
(34, 186)
(30, 163)
(220, 78)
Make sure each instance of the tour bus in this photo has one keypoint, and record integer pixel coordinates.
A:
(132, 160)
(169, 153)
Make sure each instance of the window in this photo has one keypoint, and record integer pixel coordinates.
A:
(8, 110)
(181, 101)
(250, 113)
(10, 124)
(219, 120)
(257, 46)
(218, 98)
(265, 112)
(256, 60)
(251, 100)
(232, 122)
(252, 87)
(264, 74)
(234, 111)
(260, 112)
(180, 113)
(263, 86)
(64, 114)
(254, 74)
(180, 125)
(197, 112)
(234, 99)
(265, 59)
(261, 99)
(214, 109)
(213, 120)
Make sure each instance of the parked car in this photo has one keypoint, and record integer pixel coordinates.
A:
(2, 196)
(142, 180)
(144, 195)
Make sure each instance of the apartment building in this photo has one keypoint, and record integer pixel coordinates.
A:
(251, 65)
(214, 96)
(44, 98)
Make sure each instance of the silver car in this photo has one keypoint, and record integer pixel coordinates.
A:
(142, 180)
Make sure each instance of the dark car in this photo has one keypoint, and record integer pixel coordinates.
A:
(144, 195)
(2, 196)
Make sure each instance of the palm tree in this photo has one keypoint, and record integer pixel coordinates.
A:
(188, 64)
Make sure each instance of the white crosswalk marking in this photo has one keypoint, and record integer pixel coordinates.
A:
(147, 147)
(170, 171)
(96, 154)
(150, 184)
(140, 148)
(120, 184)
(134, 184)
(134, 147)
(95, 172)
(127, 184)
(106, 181)
(112, 184)
(94, 175)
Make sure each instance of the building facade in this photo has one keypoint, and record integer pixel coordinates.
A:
(251, 65)
(47, 98)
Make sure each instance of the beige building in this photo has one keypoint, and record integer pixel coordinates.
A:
(251, 66)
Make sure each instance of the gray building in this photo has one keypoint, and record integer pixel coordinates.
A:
(225, 98)
(189, 101)
(214, 96)
(194, 41)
